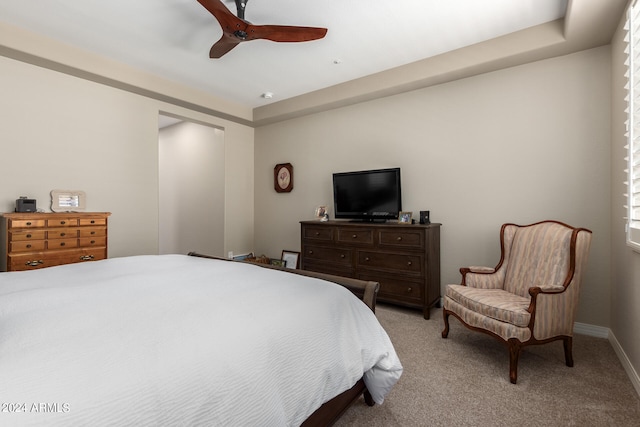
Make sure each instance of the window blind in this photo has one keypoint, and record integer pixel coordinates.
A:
(633, 126)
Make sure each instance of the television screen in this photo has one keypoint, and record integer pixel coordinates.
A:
(367, 195)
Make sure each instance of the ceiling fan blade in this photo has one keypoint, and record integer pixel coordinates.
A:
(223, 46)
(285, 33)
(235, 29)
(228, 21)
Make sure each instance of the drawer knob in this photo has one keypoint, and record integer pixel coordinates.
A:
(61, 243)
(409, 263)
(366, 258)
(62, 234)
(399, 238)
(86, 257)
(93, 221)
(28, 246)
(409, 290)
(317, 233)
(29, 223)
(93, 241)
(93, 232)
(341, 255)
(28, 236)
(34, 263)
(310, 252)
(355, 236)
(63, 222)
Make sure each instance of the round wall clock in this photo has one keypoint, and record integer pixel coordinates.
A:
(283, 177)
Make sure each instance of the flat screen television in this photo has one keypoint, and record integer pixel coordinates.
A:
(371, 195)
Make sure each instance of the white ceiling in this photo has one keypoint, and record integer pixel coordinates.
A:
(172, 38)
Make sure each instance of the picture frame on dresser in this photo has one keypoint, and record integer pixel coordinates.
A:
(68, 201)
(291, 259)
(404, 217)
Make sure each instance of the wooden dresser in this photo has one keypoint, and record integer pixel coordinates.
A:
(36, 240)
(403, 258)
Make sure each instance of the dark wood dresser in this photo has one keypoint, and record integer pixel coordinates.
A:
(403, 258)
(36, 240)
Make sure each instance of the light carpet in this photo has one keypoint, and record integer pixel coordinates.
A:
(463, 380)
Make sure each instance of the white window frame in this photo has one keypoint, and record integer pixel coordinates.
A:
(632, 195)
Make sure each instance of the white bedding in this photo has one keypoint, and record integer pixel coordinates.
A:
(179, 340)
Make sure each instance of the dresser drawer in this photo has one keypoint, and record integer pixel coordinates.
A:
(93, 221)
(342, 270)
(390, 262)
(93, 232)
(355, 236)
(396, 289)
(27, 245)
(318, 233)
(20, 235)
(26, 223)
(49, 259)
(400, 291)
(402, 238)
(86, 242)
(53, 244)
(62, 233)
(62, 222)
(329, 255)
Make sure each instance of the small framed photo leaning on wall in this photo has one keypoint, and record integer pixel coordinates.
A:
(404, 217)
(291, 259)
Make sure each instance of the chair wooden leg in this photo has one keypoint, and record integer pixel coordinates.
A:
(568, 350)
(445, 315)
(514, 354)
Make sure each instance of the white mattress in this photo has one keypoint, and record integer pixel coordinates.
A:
(178, 340)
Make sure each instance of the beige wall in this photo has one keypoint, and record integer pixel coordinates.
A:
(625, 268)
(191, 196)
(518, 145)
(62, 132)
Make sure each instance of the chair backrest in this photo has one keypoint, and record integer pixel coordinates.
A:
(537, 255)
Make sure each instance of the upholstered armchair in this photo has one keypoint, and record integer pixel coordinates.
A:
(531, 296)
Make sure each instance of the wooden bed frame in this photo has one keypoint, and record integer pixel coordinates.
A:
(367, 291)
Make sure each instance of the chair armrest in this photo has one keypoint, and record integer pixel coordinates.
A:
(482, 277)
(481, 269)
(549, 289)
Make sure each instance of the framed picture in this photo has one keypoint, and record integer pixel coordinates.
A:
(321, 212)
(68, 201)
(283, 177)
(405, 217)
(291, 259)
(277, 262)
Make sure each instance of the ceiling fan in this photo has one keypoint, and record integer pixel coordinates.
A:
(236, 30)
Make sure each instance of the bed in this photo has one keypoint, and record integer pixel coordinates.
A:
(187, 340)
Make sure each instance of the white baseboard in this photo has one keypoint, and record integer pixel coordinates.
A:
(626, 363)
(591, 330)
(601, 332)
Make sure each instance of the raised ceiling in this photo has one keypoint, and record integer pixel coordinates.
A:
(171, 38)
(375, 47)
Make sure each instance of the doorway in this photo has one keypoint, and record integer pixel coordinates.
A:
(191, 183)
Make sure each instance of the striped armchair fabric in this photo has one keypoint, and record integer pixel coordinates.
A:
(531, 296)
